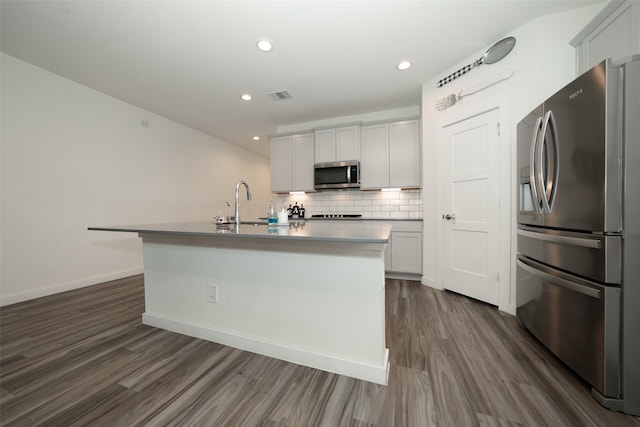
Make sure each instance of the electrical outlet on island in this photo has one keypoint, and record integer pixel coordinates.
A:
(212, 293)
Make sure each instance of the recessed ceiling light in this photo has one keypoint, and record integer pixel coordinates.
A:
(246, 97)
(265, 45)
(404, 65)
(256, 138)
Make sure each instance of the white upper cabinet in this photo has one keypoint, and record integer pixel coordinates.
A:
(281, 164)
(292, 163)
(325, 145)
(391, 155)
(337, 144)
(302, 175)
(404, 154)
(374, 165)
(348, 143)
(613, 33)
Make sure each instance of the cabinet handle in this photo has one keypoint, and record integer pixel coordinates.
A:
(449, 217)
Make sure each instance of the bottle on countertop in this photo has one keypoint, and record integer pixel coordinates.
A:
(302, 211)
(283, 215)
(295, 212)
(273, 217)
(290, 211)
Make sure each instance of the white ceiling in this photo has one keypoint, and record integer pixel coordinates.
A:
(191, 61)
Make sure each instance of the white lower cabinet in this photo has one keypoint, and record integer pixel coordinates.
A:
(403, 256)
(406, 252)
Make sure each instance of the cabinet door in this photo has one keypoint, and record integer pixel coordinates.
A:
(617, 36)
(374, 164)
(325, 145)
(281, 164)
(406, 254)
(404, 154)
(348, 143)
(303, 155)
(387, 256)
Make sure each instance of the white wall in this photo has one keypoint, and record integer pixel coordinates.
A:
(542, 62)
(73, 157)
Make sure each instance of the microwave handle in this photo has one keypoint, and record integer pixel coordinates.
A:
(348, 173)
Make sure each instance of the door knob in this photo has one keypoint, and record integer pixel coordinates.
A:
(448, 217)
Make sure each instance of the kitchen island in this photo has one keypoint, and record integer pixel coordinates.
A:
(310, 292)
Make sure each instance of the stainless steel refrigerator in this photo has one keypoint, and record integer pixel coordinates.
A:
(578, 261)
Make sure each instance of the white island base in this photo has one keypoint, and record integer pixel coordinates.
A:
(315, 303)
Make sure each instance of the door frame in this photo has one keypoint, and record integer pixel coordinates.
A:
(506, 189)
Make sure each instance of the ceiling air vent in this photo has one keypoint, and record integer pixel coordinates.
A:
(280, 95)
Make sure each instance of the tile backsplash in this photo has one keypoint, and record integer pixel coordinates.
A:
(405, 204)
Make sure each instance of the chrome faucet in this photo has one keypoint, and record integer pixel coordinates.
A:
(237, 218)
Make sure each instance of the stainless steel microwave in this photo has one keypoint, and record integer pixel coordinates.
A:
(337, 175)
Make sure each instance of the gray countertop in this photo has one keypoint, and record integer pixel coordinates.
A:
(353, 231)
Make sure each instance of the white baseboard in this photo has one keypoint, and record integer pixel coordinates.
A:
(403, 276)
(510, 309)
(430, 281)
(350, 368)
(63, 287)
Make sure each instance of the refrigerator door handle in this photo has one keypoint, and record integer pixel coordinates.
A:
(548, 184)
(565, 240)
(552, 185)
(538, 165)
(535, 193)
(595, 293)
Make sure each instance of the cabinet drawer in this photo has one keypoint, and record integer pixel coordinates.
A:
(408, 226)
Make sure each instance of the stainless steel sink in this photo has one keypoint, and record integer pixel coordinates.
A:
(254, 223)
(232, 225)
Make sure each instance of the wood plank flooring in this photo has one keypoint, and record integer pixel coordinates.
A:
(83, 358)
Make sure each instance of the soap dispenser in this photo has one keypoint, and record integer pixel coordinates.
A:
(272, 218)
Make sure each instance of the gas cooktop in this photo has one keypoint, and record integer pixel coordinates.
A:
(336, 216)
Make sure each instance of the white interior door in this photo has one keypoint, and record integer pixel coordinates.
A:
(469, 206)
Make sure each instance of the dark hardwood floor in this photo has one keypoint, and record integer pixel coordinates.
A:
(83, 358)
